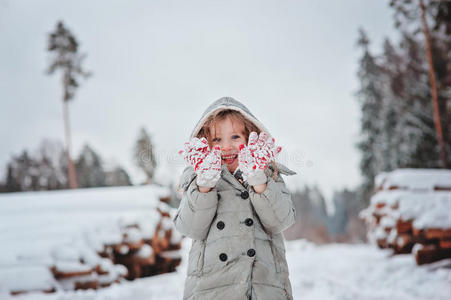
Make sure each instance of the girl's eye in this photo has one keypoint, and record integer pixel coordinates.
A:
(216, 140)
(235, 137)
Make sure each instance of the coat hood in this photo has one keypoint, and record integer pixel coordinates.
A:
(227, 103)
(222, 104)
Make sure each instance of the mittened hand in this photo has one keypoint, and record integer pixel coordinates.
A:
(255, 157)
(206, 162)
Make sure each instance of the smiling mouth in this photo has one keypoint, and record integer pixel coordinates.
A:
(229, 158)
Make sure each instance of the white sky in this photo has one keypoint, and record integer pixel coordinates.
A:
(159, 64)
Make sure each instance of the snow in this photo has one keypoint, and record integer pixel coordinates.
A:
(72, 267)
(145, 251)
(429, 209)
(422, 195)
(333, 272)
(64, 229)
(166, 224)
(175, 237)
(40, 229)
(132, 235)
(30, 278)
(414, 179)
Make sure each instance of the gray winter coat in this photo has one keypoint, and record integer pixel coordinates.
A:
(238, 250)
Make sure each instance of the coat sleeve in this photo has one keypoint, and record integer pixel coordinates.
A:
(196, 210)
(274, 206)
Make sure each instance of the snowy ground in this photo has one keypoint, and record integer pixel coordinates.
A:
(333, 272)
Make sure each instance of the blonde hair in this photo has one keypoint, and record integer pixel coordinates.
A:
(222, 115)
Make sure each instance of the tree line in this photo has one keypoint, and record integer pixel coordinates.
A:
(399, 127)
(46, 168)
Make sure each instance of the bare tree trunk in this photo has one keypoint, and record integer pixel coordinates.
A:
(72, 173)
(436, 111)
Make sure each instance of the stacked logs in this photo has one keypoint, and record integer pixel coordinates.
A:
(134, 256)
(412, 219)
(436, 245)
(146, 245)
(147, 256)
(82, 276)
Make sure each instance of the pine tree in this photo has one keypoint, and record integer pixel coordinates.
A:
(398, 127)
(144, 155)
(12, 184)
(52, 176)
(390, 137)
(419, 140)
(90, 170)
(24, 172)
(64, 46)
(370, 96)
(117, 177)
(434, 44)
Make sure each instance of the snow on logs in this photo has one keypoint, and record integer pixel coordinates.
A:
(146, 255)
(411, 213)
(85, 239)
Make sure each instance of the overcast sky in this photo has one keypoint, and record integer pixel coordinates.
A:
(160, 63)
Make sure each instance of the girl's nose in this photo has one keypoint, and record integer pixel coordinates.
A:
(226, 146)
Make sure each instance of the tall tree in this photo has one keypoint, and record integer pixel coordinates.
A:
(144, 155)
(413, 17)
(390, 137)
(417, 134)
(433, 82)
(398, 125)
(63, 47)
(370, 95)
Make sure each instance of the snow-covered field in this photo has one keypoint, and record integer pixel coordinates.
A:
(28, 228)
(333, 272)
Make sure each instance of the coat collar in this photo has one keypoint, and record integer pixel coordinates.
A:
(227, 176)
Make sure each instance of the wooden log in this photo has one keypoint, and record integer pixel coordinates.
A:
(393, 187)
(442, 188)
(86, 285)
(431, 253)
(164, 213)
(60, 274)
(382, 243)
(165, 199)
(445, 243)
(418, 232)
(434, 233)
(100, 271)
(19, 292)
(380, 205)
(403, 226)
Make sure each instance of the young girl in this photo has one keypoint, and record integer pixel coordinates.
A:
(235, 206)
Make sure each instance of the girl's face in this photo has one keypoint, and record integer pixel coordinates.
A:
(229, 135)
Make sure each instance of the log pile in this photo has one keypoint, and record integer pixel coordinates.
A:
(121, 246)
(80, 268)
(147, 255)
(134, 255)
(411, 213)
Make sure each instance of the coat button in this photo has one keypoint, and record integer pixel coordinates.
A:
(220, 225)
(244, 194)
(249, 222)
(250, 252)
(223, 257)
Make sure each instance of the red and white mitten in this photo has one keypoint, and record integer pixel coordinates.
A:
(206, 162)
(254, 158)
